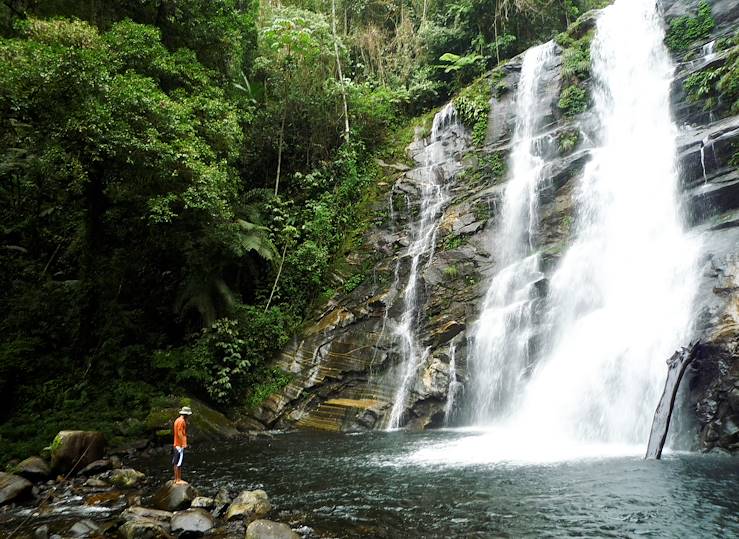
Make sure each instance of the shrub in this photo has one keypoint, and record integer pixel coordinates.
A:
(573, 100)
(683, 31)
(567, 140)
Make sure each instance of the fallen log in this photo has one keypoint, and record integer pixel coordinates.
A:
(676, 367)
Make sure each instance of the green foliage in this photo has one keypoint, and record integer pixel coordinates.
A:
(270, 381)
(576, 58)
(685, 30)
(226, 355)
(454, 242)
(493, 165)
(473, 106)
(718, 87)
(567, 140)
(573, 100)
(353, 282)
(451, 272)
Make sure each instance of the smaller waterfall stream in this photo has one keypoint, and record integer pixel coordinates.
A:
(502, 347)
(430, 181)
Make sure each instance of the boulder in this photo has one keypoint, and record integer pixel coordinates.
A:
(202, 502)
(94, 482)
(205, 423)
(72, 450)
(171, 497)
(249, 505)
(94, 468)
(33, 469)
(126, 478)
(84, 528)
(143, 529)
(144, 513)
(42, 532)
(266, 529)
(13, 488)
(192, 522)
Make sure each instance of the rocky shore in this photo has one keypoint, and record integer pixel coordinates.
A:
(80, 488)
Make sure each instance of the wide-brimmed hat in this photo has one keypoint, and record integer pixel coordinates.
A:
(185, 411)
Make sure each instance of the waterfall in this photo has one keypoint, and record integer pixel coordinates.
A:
(455, 386)
(502, 348)
(621, 297)
(430, 180)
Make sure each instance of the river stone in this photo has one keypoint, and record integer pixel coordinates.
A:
(72, 450)
(192, 522)
(126, 477)
(99, 466)
(144, 513)
(249, 505)
(266, 529)
(171, 497)
(33, 468)
(143, 529)
(94, 482)
(42, 532)
(13, 488)
(84, 528)
(203, 502)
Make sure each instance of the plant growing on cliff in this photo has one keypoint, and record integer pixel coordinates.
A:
(567, 140)
(573, 100)
(717, 87)
(685, 30)
(472, 106)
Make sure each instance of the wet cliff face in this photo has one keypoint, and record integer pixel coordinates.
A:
(708, 146)
(349, 364)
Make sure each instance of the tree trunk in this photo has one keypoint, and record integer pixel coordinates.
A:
(277, 279)
(338, 66)
(279, 147)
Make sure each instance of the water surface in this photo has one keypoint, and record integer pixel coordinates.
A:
(400, 484)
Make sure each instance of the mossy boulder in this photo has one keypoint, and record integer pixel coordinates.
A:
(204, 425)
(72, 450)
(126, 478)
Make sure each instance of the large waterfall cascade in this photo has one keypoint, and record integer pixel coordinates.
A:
(501, 348)
(430, 178)
(619, 302)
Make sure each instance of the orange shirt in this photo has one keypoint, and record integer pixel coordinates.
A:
(180, 432)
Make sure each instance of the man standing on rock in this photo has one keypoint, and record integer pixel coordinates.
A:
(180, 443)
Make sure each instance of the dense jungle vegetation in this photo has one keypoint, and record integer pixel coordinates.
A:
(182, 180)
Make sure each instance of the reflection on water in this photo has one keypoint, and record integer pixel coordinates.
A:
(419, 485)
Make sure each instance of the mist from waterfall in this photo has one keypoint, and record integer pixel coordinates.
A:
(620, 300)
(501, 350)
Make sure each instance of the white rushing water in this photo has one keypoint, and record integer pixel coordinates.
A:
(501, 350)
(620, 300)
(430, 180)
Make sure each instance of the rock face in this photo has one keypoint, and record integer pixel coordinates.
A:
(13, 488)
(249, 505)
(266, 529)
(171, 497)
(192, 522)
(344, 366)
(33, 469)
(72, 450)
